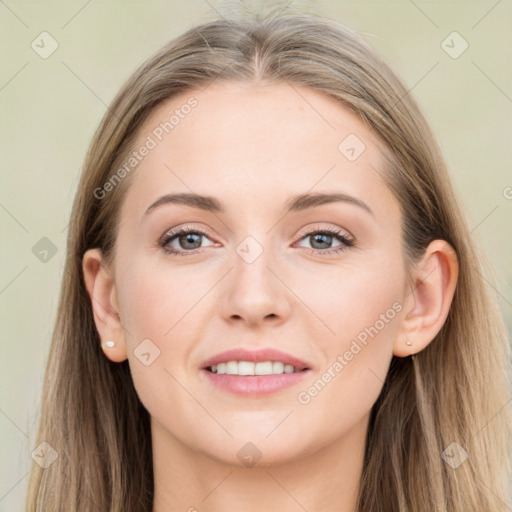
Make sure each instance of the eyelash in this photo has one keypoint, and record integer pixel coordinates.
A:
(335, 233)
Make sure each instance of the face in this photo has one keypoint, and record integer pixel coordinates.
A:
(261, 269)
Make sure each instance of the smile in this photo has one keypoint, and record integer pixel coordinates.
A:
(251, 368)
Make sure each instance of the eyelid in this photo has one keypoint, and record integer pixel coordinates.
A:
(187, 227)
(312, 228)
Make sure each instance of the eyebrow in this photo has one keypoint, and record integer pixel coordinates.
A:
(293, 204)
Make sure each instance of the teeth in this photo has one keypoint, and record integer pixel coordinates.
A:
(250, 368)
(277, 367)
(232, 368)
(245, 367)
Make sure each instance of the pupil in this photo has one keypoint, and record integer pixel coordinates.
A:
(189, 238)
(322, 236)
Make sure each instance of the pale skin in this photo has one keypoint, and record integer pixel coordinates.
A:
(252, 147)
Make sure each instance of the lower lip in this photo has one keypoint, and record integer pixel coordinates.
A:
(255, 385)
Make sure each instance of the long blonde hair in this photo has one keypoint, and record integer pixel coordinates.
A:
(455, 391)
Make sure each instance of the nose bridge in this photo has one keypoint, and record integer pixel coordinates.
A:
(253, 262)
(255, 292)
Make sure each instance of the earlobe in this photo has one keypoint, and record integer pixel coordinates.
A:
(429, 298)
(101, 289)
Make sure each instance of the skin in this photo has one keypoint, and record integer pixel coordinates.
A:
(252, 146)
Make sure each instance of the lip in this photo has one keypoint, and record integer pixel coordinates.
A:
(254, 385)
(255, 356)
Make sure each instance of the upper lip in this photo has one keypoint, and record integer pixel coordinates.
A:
(256, 356)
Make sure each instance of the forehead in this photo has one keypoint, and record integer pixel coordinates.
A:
(239, 139)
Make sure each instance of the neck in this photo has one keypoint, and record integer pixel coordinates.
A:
(327, 480)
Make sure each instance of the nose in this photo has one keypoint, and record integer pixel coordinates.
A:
(256, 293)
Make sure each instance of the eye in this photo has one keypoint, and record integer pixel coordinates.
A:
(187, 240)
(321, 241)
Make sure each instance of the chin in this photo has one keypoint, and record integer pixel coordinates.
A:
(256, 450)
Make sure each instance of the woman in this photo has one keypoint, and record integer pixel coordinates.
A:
(272, 300)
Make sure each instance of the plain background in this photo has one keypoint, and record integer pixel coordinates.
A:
(51, 107)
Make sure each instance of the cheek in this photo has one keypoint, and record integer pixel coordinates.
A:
(353, 296)
(157, 335)
(155, 299)
(363, 308)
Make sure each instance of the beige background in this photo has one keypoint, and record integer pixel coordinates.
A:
(51, 107)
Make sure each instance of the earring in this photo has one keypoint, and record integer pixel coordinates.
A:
(109, 344)
(409, 343)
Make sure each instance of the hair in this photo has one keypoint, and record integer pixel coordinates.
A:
(454, 391)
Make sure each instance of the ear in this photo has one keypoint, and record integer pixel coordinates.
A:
(102, 293)
(429, 298)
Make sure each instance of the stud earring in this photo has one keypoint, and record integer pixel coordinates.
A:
(409, 343)
(109, 344)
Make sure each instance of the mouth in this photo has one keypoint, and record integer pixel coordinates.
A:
(255, 379)
(248, 368)
(254, 373)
